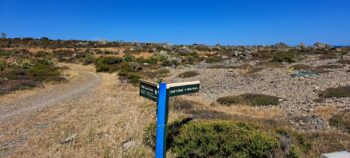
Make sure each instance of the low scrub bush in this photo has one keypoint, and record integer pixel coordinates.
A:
(341, 121)
(129, 58)
(328, 66)
(222, 139)
(172, 131)
(284, 57)
(2, 65)
(213, 59)
(88, 59)
(188, 74)
(338, 92)
(344, 61)
(107, 64)
(45, 73)
(249, 99)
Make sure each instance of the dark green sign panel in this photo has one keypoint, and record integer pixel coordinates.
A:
(148, 91)
(180, 90)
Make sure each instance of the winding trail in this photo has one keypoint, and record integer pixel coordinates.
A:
(45, 98)
(20, 106)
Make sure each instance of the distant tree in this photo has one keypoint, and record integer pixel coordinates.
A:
(3, 35)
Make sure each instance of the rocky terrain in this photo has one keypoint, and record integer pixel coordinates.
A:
(298, 93)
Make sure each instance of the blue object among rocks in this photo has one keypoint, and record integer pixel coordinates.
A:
(304, 74)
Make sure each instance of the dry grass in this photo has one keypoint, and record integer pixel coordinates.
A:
(326, 112)
(104, 120)
(249, 111)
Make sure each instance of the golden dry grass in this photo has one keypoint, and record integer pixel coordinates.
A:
(251, 111)
(326, 112)
(103, 120)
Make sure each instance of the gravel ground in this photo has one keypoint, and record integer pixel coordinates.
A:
(298, 92)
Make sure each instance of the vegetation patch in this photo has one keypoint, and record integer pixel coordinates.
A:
(249, 99)
(330, 66)
(27, 73)
(213, 59)
(224, 138)
(301, 67)
(341, 120)
(344, 61)
(338, 92)
(288, 56)
(188, 74)
(107, 64)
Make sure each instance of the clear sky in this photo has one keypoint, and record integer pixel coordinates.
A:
(234, 22)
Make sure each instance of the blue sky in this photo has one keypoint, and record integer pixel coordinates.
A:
(235, 22)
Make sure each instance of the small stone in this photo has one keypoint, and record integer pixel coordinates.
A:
(70, 139)
(129, 145)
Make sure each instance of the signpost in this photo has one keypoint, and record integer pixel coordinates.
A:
(161, 93)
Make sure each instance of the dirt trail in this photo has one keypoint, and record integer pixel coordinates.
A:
(18, 110)
(20, 106)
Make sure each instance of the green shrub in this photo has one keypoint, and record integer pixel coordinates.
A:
(284, 57)
(133, 78)
(341, 120)
(88, 59)
(249, 99)
(213, 59)
(222, 139)
(129, 58)
(188, 74)
(338, 92)
(107, 64)
(172, 131)
(45, 61)
(2, 65)
(5, 53)
(45, 73)
(23, 64)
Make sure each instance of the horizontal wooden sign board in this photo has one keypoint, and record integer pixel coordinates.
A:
(149, 89)
(177, 89)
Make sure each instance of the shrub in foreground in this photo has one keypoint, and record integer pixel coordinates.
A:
(249, 99)
(222, 139)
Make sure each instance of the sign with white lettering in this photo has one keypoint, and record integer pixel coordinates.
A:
(149, 90)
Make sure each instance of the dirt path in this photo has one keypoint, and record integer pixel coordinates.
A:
(47, 97)
(20, 107)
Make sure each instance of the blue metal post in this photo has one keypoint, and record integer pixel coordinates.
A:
(161, 121)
